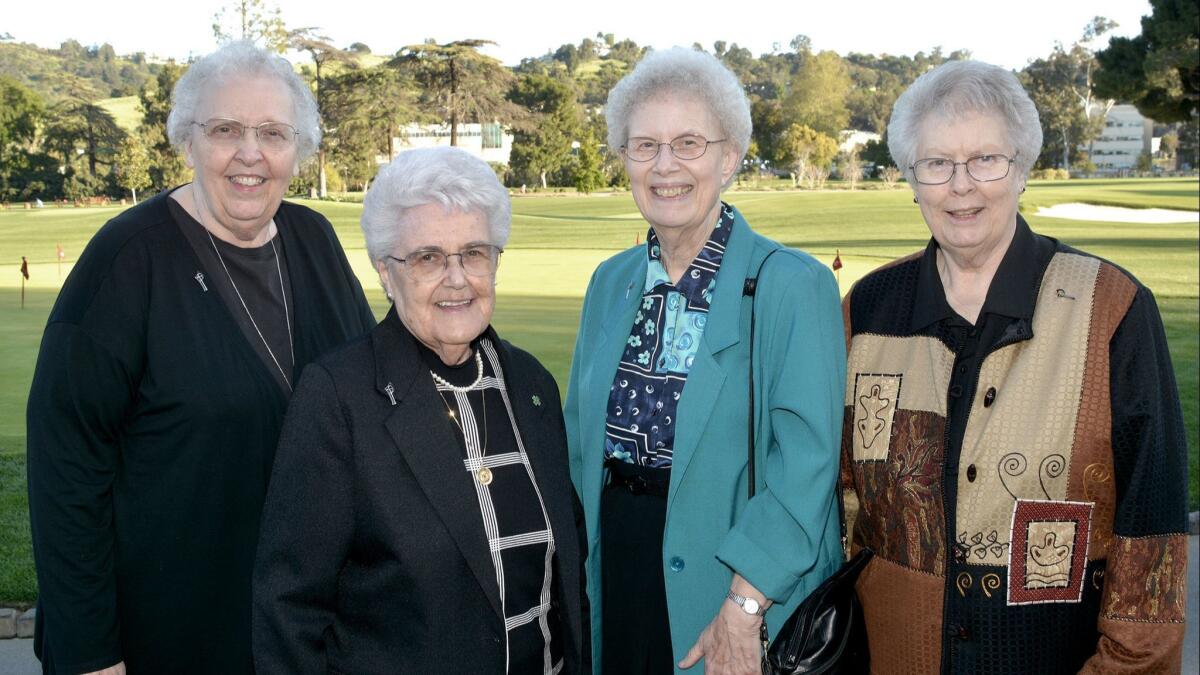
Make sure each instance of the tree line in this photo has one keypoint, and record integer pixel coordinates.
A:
(57, 141)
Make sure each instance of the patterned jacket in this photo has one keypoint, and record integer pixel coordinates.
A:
(1052, 539)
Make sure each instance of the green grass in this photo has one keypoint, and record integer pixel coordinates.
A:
(558, 240)
(125, 111)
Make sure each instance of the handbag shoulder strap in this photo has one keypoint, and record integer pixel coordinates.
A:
(750, 289)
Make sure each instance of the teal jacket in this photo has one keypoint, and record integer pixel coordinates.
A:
(784, 541)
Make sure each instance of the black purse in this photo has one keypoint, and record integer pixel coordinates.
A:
(827, 633)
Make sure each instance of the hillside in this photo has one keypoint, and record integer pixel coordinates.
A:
(75, 70)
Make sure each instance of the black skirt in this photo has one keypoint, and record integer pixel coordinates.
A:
(636, 632)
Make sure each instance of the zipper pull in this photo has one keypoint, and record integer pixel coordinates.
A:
(200, 280)
(391, 392)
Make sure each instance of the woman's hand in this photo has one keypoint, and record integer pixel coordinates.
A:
(730, 644)
(118, 669)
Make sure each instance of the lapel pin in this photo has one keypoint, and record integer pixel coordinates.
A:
(200, 280)
(391, 392)
(537, 400)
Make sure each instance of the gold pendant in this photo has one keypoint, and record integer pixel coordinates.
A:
(484, 475)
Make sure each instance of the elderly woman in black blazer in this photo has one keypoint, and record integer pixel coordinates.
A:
(420, 517)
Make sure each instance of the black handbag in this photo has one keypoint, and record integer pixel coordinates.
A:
(826, 634)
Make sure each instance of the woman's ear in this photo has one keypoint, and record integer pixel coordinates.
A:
(729, 163)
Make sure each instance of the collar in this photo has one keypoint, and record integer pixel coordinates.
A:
(697, 280)
(1014, 288)
(398, 360)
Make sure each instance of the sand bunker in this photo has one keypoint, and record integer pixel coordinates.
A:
(1117, 214)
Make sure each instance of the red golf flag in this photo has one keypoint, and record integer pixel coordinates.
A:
(24, 267)
(837, 261)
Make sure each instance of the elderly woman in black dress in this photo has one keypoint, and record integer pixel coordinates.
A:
(421, 517)
(162, 381)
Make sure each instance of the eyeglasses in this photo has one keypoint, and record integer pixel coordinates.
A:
(689, 146)
(983, 168)
(271, 135)
(428, 264)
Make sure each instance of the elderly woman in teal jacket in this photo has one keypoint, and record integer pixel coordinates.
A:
(682, 563)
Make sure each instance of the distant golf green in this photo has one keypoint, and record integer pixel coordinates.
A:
(558, 240)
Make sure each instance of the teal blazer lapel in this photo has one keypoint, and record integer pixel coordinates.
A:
(722, 331)
(618, 304)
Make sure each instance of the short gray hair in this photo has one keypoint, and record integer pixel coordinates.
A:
(956, 88)
(685, 73)
(452, 177)
(235, 60)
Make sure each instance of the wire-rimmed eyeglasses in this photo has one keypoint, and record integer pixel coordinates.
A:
(427, 264)
(688, 146)
(983, 168)
(273, 135)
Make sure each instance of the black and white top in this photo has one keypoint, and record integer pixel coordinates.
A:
(510, 504)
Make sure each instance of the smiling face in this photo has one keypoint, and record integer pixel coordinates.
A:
(239, 185)
(447, 313)
(679, 197)
(968, 218)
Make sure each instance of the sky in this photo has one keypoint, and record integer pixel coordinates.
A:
(1009, 33)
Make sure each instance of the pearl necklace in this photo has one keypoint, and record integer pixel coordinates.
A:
(478, 377)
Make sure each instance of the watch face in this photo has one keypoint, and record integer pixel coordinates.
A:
(751, 606)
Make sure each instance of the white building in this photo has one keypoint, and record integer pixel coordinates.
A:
(1126, 135)
(489, 142)
(848, 139)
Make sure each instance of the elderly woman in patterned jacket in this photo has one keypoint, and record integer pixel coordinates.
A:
(683, 564)
(421, 517)
(1013, 436)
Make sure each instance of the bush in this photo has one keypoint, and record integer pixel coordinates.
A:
(1050, 174)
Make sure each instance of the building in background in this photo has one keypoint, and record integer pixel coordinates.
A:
(1127, 135)
(490, 142)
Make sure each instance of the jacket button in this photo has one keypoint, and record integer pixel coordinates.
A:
(958, 632)
(989, 397)
(676, 564)
(956, 391)
(971, 473)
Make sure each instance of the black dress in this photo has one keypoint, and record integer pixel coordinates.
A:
(152, 426)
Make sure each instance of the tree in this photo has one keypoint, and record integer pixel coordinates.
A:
(458, 84)
(252, 20)
(167, 168)
(1061, 87)
(323, 54)
(851, 168)
(542, 144)
(80, 124)
(589, 171)
(804, 148)
(132, 166)
(1159, 70)
(21, 110)
(817, 96)
(365, 108)
(876, 152)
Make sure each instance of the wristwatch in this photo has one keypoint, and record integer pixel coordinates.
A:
(748, 605)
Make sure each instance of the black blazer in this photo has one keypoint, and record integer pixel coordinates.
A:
(373, 557)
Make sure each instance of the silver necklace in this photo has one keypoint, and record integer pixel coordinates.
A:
(478, 377)
(287, 319)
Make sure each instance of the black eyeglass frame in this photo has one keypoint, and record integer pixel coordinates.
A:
(669, 144)
(966, 164)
